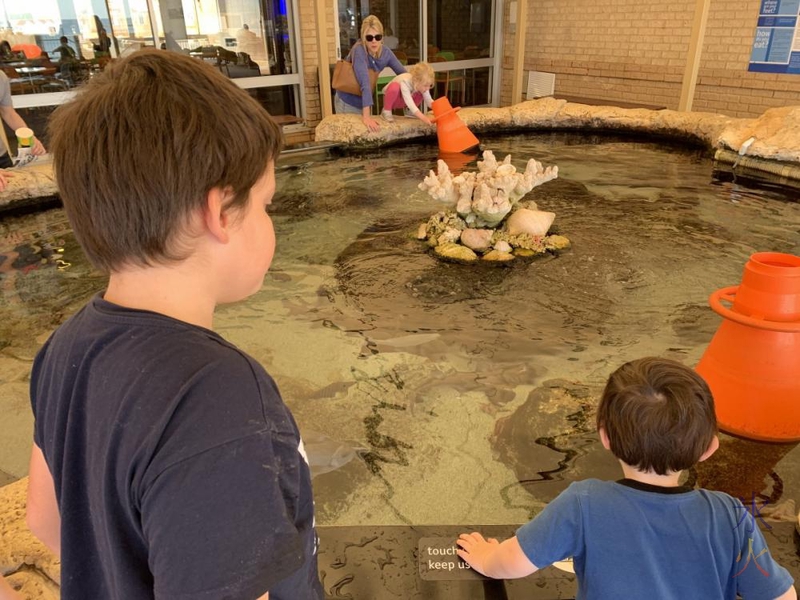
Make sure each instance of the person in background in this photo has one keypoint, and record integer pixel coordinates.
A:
(408, 91)
(176, 466)
(368, 53)
(389, 39)
(7, 54)
(14, 121)
(244, 35)
(68, 61)
(646, 536)
(103, 45)
(66, 53)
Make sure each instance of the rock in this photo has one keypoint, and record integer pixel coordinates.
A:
(24, 560)
(450, 235)
(776, 133)
(533, 222)
(455, 252)
(422, 231)
(350, 129)
(556, 242)
(502, 246)
(477, 239)
(525, 252)
(498, 256)
(31, 184)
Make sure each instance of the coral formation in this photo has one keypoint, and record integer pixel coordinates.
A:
(483, 199)
(486, 217)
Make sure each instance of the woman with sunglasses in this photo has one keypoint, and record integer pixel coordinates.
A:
(368, 53)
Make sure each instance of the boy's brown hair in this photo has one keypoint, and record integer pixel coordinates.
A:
(658, 415)
(142, 144)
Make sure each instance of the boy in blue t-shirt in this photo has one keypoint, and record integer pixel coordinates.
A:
(646, 536)
(165, 463)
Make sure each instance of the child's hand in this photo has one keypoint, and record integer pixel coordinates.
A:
(493, 559)
(476, 550)
(424, 118)
(4, 176)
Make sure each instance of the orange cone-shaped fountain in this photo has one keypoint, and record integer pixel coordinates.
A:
(752, 364)
(453, 134)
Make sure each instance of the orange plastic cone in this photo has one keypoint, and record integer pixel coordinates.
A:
(752, 364)
(453, 134)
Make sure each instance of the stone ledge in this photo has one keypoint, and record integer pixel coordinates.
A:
(776, 133)
(24, 561)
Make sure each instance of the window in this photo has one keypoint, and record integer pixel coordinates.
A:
(455, 36)
(251, 41)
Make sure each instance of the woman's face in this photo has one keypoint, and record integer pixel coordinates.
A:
(374, 45)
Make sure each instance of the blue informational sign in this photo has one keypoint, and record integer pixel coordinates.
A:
(776, 45)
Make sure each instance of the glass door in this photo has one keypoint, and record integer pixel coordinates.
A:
(455, 36)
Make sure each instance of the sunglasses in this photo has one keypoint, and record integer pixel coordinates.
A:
(377, 38)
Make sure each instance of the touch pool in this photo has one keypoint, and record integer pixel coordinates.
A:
(432, 393)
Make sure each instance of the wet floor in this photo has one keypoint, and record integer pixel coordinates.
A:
(435, 393)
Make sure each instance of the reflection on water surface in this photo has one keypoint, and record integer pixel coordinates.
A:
(436, 393)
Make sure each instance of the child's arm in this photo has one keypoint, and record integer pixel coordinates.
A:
(408, 98)
(423, 117)
(493, 559)
(790, 594)
(43, 517)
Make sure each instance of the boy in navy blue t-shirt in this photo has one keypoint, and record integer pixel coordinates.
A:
(646, 536)
(165, 463)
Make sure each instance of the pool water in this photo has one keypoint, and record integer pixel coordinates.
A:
(437, 393)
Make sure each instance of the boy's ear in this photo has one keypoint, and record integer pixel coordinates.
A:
(712, 447)
(604, 438)
(215, 217)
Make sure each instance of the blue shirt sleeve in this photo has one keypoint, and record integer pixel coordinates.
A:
(756, 573)
(555, 533)
(392, 62)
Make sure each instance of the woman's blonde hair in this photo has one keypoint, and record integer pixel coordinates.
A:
(371, 22)
(422, 72)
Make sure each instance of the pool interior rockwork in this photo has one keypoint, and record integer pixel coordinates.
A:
(435, 394)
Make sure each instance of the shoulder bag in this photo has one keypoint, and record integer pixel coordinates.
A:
(344, 77)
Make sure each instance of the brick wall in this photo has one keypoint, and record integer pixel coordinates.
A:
(636, 51)
(610, 49)
(312, 58)
(723, 83)
(617, 50)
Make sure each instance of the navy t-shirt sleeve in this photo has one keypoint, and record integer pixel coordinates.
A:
(218, 524)
(757, 575)
(556, 532)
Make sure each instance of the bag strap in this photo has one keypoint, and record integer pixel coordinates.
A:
(350, 55)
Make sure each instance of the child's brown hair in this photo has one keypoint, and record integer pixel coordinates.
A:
(139, 148)
(658, 415)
